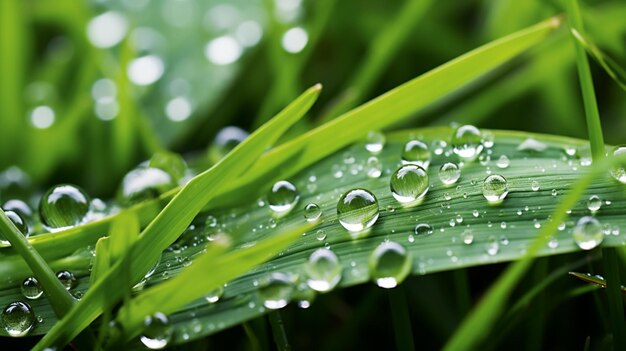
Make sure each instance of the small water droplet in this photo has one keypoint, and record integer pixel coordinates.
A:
(277, 291)
(67, 278)
(503, 225)
(417, 153)
(594, 203)
(63, 206)
(468, 236)
(323, 269)
(214, 295)
(31, 288)
(619, 171)
(282, 197)
(320, 235)
(312, 212)
(357, 210)
(467, 142)
(389, 264)
(19, 223)
(534, 185)
(493, 246)
(409, 184)
(374, 167)
(143, 183)
(375, 142)
(157, 331)
(488, 139)
(588, 233)
(18, 319)
(570, 150)
(423, 229)
(495, 188)
(503, 162)
(554, 192)
(475, 213)
(449, 173)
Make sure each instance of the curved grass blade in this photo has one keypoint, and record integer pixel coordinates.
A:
(611, 67)
(175, 218)
(594, 279)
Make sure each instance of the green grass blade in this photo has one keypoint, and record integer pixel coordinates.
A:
(177, 215)
(60, 299)
(393, 106)
(479, 322)
(610, 67)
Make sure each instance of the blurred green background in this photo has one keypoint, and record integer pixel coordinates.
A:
(91, 88)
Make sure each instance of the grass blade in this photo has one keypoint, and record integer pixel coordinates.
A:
(168, 225)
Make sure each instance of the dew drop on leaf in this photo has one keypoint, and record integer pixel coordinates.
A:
(282, 197)
(31, 289)
(157, 331)
(276, 292)
(417, 153)
(409, 184)
(18, 319)
(495, 188)
(467, 142)
(357, 210)
(63, 206)
(588, 233)
(389, 264)
(323, 270)
(449, 173)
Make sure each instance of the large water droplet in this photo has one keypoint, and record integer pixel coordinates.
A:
(323, 269)
(389, 264)
(31, 288)
(67, 278)
(277, 291)
(468, 236)
(588, 233)
(594, 203)
(63, 206)
(157, 331)
(619, 171)
(282, 197)
(357, 210)
(312, 212)
(20, 207)
(449, 173)
(495, 188)
(467, 142)
(144, 183)
(423, 229)
(375, 142)
(18, 319)
(409, 183)
(417, 153)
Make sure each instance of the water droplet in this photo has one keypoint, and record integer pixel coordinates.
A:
(20, 207)
(423, 229)
(449, 173)
(588, 233)
(495, 188)
(475, 213)
(594, 203)
(214, 295)
(534, 185)
(493, 246)
(226, 140)
(31, 288)
(63, 206)
(375, 142)
(570, 150)
(67, 278)
(503, 162)
(389, 264)
(282, 197)
(467, 142)
(19, 223)
(357, 210)
(323, 270)
(277, 291)
(409, 183)
(488, 139)
(144, 183)
(619, 171)
(312, 212)
(157, 331)
(374, 167)
(554, 192)
(18, 319)
(503, 225)
(416, 152)
(468, 237)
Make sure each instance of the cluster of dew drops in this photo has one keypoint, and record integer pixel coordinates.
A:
(358, 210)
(64, 206)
